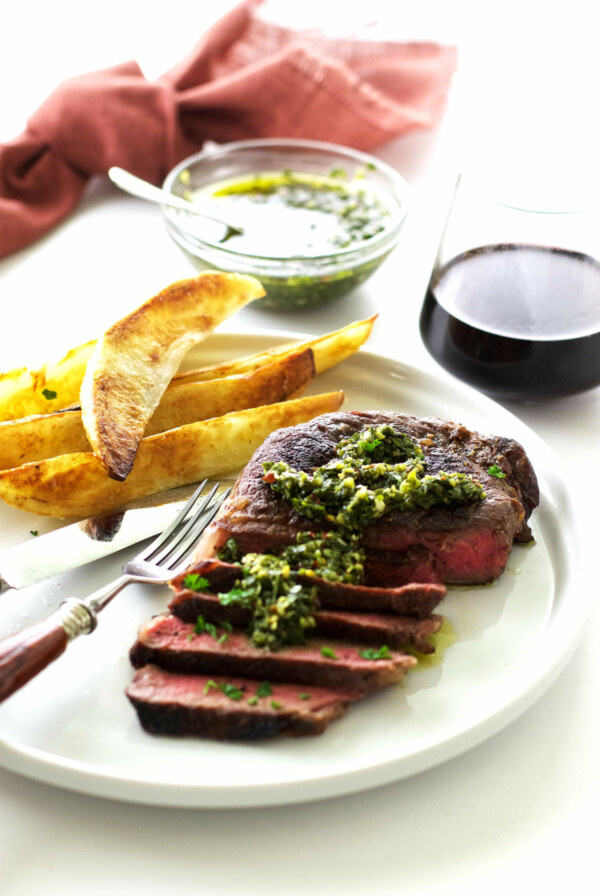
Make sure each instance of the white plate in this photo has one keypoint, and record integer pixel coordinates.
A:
(73, 726)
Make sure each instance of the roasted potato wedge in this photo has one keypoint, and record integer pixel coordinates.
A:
(135, 359)
(21, 390)
(328, 350)
(275, 382)
(40, 437)
(77, 485)
(53, 387)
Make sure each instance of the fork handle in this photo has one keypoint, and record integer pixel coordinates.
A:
(25, 654)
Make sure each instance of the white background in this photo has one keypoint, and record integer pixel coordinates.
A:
(518, 812)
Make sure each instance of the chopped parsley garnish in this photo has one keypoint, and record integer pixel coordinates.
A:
(196, 582)
(226, 688)
(275, 704)
(232, 692)
(264, 689)
(303, 696)
(495, 470)
(371, 446)
(383, 653)
(329, 652)
(49, 394)
(210, 628)
(33, 532)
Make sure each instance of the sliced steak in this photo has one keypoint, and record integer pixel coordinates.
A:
(358, 627)
(378, 629)
(415, 599)
(465, 544)
(170, 643)
(228, 708)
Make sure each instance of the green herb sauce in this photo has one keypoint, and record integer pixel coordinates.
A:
(292, 215)
(283, 608)
(375, 471)
(287, 214)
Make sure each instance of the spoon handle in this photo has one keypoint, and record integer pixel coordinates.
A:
(134, 185)
(144, 190)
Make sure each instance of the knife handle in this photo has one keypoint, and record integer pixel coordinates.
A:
(24, 655)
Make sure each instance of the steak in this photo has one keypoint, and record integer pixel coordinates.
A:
(459, 544)
(172, 644)
(229, 708)
(358, 627)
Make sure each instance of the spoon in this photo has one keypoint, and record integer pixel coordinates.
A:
(134, 185)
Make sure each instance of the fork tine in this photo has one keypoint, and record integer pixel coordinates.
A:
(166, 534)
(182, 557)
(185, 527)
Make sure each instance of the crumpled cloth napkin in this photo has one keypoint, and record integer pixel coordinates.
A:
(246, 78)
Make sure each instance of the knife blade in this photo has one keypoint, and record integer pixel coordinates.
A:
(76, 544)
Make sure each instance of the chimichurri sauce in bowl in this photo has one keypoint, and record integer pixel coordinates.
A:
(316, 219)
(295, 213)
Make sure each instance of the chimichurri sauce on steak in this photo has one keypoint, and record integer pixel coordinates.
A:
(461, 543)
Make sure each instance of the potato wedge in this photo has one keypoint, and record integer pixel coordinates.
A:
(135, 359)
(40, 437)
(329, 350)
(77, 485)
(21, 390)
(185, 403)
(53, 387)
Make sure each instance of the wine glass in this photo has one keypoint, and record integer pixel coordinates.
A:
(513, 302)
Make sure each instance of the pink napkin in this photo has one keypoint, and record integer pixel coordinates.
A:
(245, 78)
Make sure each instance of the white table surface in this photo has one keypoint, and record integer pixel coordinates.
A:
(519, 810)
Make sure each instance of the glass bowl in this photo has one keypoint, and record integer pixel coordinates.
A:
(308, 277)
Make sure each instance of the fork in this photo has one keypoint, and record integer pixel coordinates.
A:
(24, 655)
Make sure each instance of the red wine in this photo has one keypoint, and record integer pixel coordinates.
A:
(517, 321)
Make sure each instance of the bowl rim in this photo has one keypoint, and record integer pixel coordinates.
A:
(382, 240)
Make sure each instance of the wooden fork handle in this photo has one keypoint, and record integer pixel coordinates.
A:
(24, 655)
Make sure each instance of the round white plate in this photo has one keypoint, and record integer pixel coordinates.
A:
(74, 727)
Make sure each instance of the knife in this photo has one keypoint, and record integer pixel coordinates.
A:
(44, 556)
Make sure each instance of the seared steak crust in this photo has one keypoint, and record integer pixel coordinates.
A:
(463, 544)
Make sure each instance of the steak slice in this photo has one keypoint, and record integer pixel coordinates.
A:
(414, 599)
(358, 627)
(180, 705)
(417, 599)
(172, 644)
(465, 544)
(379, 629)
